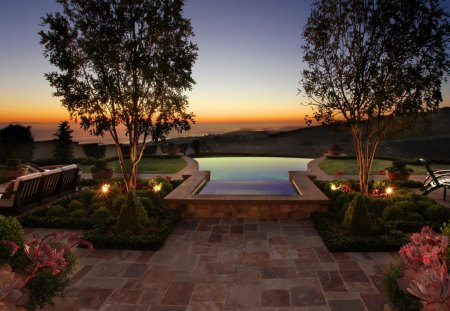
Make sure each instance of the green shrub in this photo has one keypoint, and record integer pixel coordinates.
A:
(436, 215)
(147, 203)
(357, 219)
(75, 205)
(117, 203)
(393, 212)
(101, 212)
(11, 230)
(86, 196)
(79, 213)
(376, 206)
(44, 286)
(101, 236)
(57, 211)
(398, 299)
(133, 217)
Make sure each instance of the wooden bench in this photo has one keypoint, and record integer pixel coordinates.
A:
(34, 189)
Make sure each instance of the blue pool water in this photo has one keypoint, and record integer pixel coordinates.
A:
(250, 175)
(251, 168)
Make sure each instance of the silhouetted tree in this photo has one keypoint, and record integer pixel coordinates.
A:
(371, 60)
(63, 151)
(16, 142)
(122, 62)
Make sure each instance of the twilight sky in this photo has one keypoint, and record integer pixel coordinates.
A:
(248, 65)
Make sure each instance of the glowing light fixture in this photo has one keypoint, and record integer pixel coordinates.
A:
(157, 187)
(333, 187)
(389, 190)
(105, 188)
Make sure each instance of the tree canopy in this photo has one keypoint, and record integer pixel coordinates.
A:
(16, 142)
(371, 60)
(63, 151)
(122, 62)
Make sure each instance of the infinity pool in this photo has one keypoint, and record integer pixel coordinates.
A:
(250, 175)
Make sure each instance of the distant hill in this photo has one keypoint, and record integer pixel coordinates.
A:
(431, 141)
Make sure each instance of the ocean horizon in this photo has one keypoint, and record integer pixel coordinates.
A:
(46, 131)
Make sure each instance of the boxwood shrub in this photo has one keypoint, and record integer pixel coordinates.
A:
(393, 217)
(98, 215)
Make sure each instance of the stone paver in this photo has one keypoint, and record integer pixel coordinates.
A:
(261, 264)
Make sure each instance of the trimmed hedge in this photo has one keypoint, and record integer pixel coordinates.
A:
(393, 217)
(104, 236)
(98, 215)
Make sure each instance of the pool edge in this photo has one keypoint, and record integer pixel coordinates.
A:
(241, 206)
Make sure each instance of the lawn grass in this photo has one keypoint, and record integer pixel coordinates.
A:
(350, 167)
(148, 165)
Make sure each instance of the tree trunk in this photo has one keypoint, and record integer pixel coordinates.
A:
(365, 152)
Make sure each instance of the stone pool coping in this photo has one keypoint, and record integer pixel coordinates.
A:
(191, 204)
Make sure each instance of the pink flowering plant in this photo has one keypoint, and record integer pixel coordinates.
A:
(425, 270)
(38, 270)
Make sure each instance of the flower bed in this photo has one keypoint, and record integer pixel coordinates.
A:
(421, 280)
(379, 222)
(33, 272)
(98, 210)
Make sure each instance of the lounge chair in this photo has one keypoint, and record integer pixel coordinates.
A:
(435, 180)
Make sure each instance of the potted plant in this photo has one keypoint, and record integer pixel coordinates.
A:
(335, 149)
(101, 170)
(14, 168)
(398, 171)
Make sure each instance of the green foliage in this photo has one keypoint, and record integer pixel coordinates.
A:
(86, 197)
(391, 217)
(102, 237)
(436, 215)
(133, 217)
(75, 205)
(398, 299)
(101, 213)
(45, 286)
(337, 239)
(79, 213)
(161, 73)
(11, 230)
(357, 219)
(162, 184)
(403, 67)
(57, 211)
(16, 141)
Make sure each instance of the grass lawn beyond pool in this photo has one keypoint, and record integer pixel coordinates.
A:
(350, 167)
(148, 165)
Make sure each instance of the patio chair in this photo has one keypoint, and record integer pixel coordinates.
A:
(435, 180)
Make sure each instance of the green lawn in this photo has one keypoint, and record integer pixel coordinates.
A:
(350, 167)
(149, 166)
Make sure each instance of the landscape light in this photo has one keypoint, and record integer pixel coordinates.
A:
(105, 188)
(389, 190)
(333, 187)
(157, 187)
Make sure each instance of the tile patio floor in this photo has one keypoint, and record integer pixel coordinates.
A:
(233, 265)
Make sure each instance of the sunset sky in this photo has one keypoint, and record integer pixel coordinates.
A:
(248, 66)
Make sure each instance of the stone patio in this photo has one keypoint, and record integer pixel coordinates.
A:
(231, 264)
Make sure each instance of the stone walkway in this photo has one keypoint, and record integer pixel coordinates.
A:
(232, 265)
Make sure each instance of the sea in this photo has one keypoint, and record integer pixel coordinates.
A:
(46, 131)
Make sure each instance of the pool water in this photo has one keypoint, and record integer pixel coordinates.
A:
(250, 175)
(249, 187)
(251, 168)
